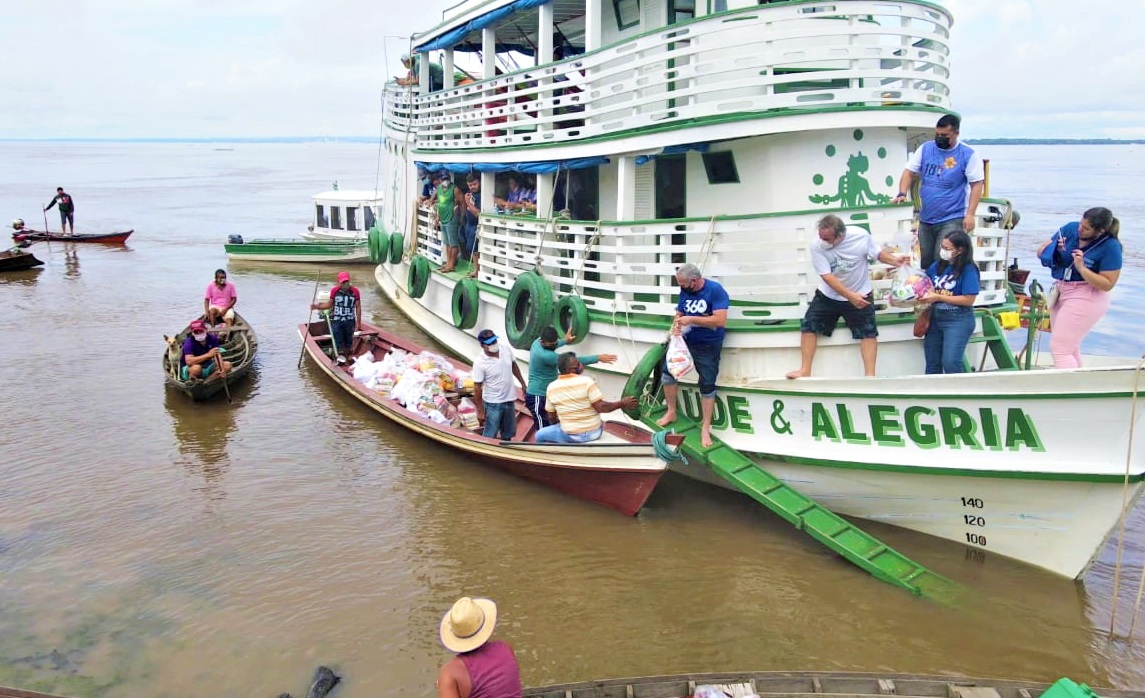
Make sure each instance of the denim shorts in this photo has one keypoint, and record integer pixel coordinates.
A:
(706, 359)
(451, 232)
(824, 313)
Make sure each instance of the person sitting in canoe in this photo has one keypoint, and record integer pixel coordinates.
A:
(577, 402)
(219, 300)
(202, 354)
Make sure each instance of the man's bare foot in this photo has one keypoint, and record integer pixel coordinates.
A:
(797, 374)
(446, 270)
(666, 419)
(706, 438)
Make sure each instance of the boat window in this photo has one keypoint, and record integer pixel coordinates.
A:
(671, 171)
(578, 191)
(719, 6)
(351, 218)
(627, 13)
(320, 219)
(720, 167)
(681, 10)
(335, 218)
(368, 211)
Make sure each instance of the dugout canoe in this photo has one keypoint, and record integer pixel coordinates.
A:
(240, 344)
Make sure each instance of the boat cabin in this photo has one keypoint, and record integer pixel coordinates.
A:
(345, 212)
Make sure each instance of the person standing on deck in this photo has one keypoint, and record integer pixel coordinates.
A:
(448, 211)
(701, 315)
(67, 210)
(543, 370)
(841, 259)
(493, 390)
(346, 302)
(947, 169)
(482, 668)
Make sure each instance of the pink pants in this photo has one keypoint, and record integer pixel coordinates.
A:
(1079, 307)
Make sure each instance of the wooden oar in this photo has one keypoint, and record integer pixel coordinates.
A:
(47, 236)
(223, 376)
(310, 317)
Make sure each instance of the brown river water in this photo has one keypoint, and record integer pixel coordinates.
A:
(150, 546)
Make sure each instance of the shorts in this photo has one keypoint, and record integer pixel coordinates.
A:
(67, 217)
(228, 315)
(824, 313)
(208, 369)
(706, 359)
(451, 233)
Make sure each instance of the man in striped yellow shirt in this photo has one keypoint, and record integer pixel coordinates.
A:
(578, 403)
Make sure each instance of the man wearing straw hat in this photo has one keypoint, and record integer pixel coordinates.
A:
(481, 669)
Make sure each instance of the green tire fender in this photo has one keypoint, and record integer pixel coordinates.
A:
(397, 248)
(529, 309)
(571, 315)
(644, 373)
(379, 245)
(418, 278)
(466, 302)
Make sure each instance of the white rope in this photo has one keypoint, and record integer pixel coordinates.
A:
(1125, 513)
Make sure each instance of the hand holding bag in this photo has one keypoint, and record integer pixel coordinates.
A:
(922, 321)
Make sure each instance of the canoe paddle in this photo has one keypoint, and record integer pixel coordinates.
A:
(310, 317)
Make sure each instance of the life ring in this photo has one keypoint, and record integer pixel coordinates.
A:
(418, 277)
(397, 248)
(571, 315)
(466, 302)
(530, 308)
(647, 372)
(379, 245)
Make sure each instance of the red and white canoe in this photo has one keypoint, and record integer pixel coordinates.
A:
(106, 238)
(618, 471)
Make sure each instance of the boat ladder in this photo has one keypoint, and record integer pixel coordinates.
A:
(807, 515)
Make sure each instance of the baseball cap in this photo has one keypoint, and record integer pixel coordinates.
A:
(343, 277)
(487, 337)
(197, 326)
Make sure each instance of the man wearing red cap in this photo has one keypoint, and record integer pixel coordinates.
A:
(202, 354)
(346, 317)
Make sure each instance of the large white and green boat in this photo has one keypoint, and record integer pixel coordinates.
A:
(718, 132)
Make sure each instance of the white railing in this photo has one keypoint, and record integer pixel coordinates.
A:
(841, 54)
(763, 261)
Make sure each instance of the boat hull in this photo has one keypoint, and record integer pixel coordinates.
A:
(241, 346)
(619, 472)
(16, 260)
(299, 251)
(105, 238)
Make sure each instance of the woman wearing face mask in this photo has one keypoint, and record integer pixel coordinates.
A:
(1085, 259)
(956, 285)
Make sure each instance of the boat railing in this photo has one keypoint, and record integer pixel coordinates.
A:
(767, 60)
(764, 261)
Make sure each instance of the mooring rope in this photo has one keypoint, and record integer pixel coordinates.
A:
(1125, 513)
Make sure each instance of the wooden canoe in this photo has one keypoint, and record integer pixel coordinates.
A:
(14, 260)
(619, 471)
(240, 343)
(117, 238)
(819, 684)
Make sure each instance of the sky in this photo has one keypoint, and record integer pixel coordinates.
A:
(295, 68)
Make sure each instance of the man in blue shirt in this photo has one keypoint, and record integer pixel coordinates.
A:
(947, 169)
(701, 314)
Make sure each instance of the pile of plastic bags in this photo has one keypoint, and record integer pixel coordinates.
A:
(419, 382)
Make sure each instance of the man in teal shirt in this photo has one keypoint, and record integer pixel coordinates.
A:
(543, 370)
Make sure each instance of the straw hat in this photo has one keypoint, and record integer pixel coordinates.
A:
(469, 624)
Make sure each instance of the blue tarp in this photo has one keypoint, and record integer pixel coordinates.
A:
(673, 149)
(539, 167)
(454, 37)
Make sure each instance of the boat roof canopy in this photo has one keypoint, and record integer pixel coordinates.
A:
(535, 167)
(518, 35)
(342, 196)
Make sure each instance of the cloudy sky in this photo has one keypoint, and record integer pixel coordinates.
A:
(272, 68)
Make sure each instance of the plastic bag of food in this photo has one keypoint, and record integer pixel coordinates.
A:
(908, 286)
(679, 358)
(468, 413)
